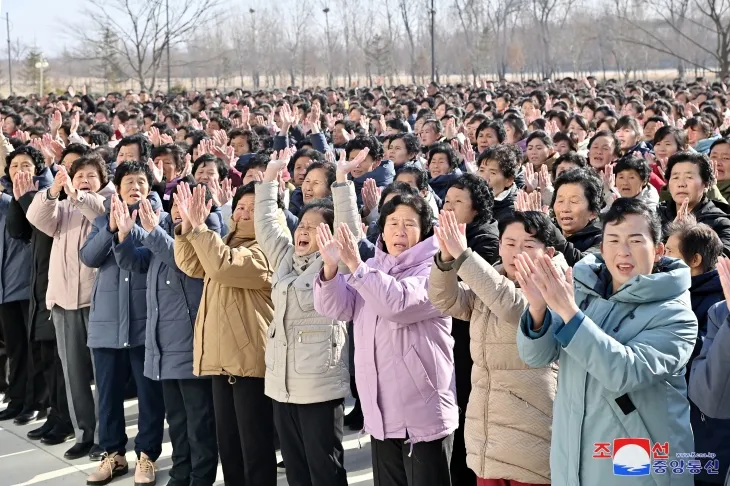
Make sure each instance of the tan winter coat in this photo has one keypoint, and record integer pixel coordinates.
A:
(235, 309)
(69, 222)
(509, 416)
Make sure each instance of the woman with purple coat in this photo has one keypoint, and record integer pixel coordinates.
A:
(404, 361)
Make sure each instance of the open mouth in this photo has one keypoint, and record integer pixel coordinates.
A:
(400, 246)
(303, 242)
(566, 220)
(84, 187)
(625, 268)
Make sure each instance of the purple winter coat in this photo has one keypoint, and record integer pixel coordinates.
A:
(404, 359)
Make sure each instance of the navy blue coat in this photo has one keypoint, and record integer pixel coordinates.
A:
(173, 300)
(118, 301)
(384, 174)
(14, 257)
(441, 184)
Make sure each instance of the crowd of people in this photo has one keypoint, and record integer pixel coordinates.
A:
(519, 283)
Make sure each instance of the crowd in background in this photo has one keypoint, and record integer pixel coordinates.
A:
(509, 279)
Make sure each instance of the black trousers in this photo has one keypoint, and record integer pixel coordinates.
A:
(460, 472)
(56, 384)
(311, 442)
(14, 320)
(244, 422)
(427, 465)
(191, 421)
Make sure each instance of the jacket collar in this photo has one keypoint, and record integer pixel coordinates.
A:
(423, 252)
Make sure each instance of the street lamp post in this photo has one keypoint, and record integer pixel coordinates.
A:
(326, 11)
(255, 73)
(433, 44)
(41, 65)
(167, 22)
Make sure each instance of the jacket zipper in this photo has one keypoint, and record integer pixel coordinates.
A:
(301, 333)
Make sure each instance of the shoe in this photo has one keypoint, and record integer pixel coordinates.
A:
(78, 450)
(354, 420)
(40, 432)
(96, 453)
(57, 436)
(30, 416)
(144, 473)
(111, 466)
(280, 467)
(11, 412)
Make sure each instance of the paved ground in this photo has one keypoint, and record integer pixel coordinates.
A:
(24, 462)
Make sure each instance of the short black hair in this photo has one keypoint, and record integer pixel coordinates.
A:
(208, 158)
(572, 157)
(420, 174)
(411, 141)
(366, 141)
(697, 239)
(396, 187)
(91, 160)
(100, 139)
(569, 138)
(505, 157)
(625, 206)
(323, 206)
(701, 160)
(329, 169)
(634, 163)
(535, 223)
(177, 153)
(418, 204)
(104, 128)
(591, 184)
(518, 125)
(444, 148)
(495, 125)
(679, 136)
(252, 138)
(482, 199)
(132, 167)
(36, 155)
(612, 136)
(79, 149)
(541, 135)
(398, 124)
(249, 188)
(145, 147)
(192, 185)
(314, 156)
(258, 161)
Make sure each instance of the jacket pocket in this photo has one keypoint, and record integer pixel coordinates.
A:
(237, 325)
(270, 351)
(312, 349)
(418, 374)
(305, 295)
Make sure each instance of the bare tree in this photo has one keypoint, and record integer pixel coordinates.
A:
(406, 12)
(549, 15)
(142, 29)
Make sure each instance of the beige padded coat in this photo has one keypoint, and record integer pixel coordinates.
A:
(509, 416)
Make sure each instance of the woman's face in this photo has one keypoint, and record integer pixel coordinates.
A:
(244, 208)
(402, 230)
(627, 137)
(562, 147)
(439, 165)
(134, 188)
(87, 179)
(666, 147)
(587, 113)
(538, 152)
(397, 152)
(315, 186)
(571, 208)
(305, 236)
(510, 132)
(363, 167)
(240, 146)
(649, 131)
(168, 166)
(428, 134)
(459, 201)
(516, 240)
(629, 183)
(21, 163)
(486, 138)
(685, 182)
(355, 116)
(628, 249)
(601, 152)
(300, 170)
(489, 171)
(721, 155)
(440, 111)
(206, 173)
(69, 159)
(694, 135)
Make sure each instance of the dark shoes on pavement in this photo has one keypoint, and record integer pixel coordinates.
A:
(79, 450)
(28, 416)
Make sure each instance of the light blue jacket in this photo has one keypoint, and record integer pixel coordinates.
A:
(622, 361)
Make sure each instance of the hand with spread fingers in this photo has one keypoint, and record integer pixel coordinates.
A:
(183, 201)
(349, 252)
(451, 235)
(149, 218)
(125, 221)
(329, 250)
(344, 167)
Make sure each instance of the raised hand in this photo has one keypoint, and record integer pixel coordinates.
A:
(125, 221)
(370, 196)
(450, 129)
(683, 212)
(277, 164)
(315, 114)
(344, 167)
(166, 139)
(246, 117)
(329, 249)
(157, 170)
(556, 287)
(188, 170)
(75, 120)
(287, 117)
(23, 184)
(609, 178)
(532, 180)
(155, 136)
(525, 278)
(226, 153)
(220, 138)
(55, 123)
(451, 234)
(723, 268)
(544, 178)
(183, 201)
(199, 210)
(149, 217)
(59, 182)
(349, 252)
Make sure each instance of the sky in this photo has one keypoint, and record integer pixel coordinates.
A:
(43, 22)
